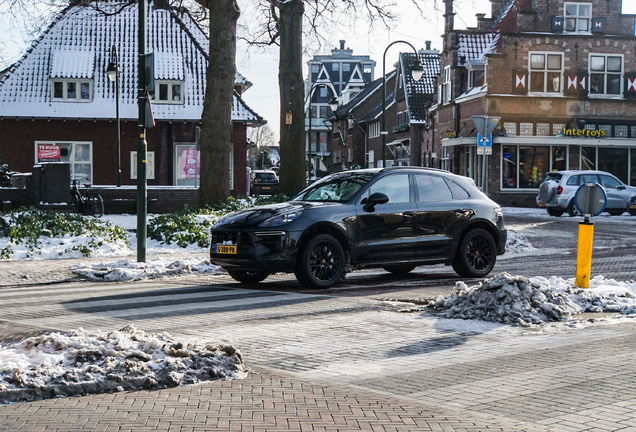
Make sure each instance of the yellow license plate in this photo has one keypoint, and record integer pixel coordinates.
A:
(632, 206)
(541, 204)
(225, 249)
(267, 187)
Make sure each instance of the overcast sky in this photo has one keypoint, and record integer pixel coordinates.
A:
(261, 67)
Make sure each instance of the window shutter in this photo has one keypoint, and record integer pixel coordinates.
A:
(557, 23)
(575, 82)
(520, 82)
(630, 85)
(598, 25)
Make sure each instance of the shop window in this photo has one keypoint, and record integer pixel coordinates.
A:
(150, 165)
(72, 90)
(559, 158)
(169, 92)
(620, 131)
(607, 129)
(614, 160)
(545, 72)
(187, 162)
(577, 17)
(606, 74)
(543, 129)
(557, 128)
(509, 167)
(526, 129)
(78, 154)
(533, 162)
(510, 128)
(633, 130)
(588, 158)
(632, 164)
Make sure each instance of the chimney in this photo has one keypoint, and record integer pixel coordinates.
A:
(449, 17)
(428, 45)
(497, 8)
(162, 4)
(342, 44)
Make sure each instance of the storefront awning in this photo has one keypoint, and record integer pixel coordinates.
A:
(544, 140)
(405, 144)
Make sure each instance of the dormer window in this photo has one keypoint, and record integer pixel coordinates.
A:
(578, 17)
(475, 72)
(169, 92)
(71, 90)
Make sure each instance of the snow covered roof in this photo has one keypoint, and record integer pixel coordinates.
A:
(418, 93)
(473, 46)
(78, 45)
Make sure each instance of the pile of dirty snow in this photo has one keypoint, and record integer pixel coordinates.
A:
(518, 243)
(85, 362)
(129, 270)
(522, 301)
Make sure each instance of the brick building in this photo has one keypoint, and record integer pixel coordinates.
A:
(57, 104)
(357, 139)
(561, 76)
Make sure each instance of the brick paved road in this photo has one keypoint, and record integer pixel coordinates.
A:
(341, 360)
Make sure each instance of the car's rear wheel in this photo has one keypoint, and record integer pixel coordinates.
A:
(476, 254)
(615, 213)
(246, 276)
(399, 269)
(572, 211)
(321, 262)
(555, 211)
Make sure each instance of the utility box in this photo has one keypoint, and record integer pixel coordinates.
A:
(51, 185)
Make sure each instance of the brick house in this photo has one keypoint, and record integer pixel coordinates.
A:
(57, 97)
(561, 75)
(358, 123)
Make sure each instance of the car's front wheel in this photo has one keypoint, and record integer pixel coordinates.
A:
(321, 262)
(476, 254)
(246, 276)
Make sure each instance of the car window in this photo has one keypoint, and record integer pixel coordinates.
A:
(266, 176)
(555, 176)
(574, 180)
(459, 192)
(609, 182)
(589, 178)
(395, 186)
(432, 188)
(336, 187)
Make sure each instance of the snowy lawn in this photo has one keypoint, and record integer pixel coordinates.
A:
(81, 362)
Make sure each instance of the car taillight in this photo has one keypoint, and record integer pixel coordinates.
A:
(559, 190)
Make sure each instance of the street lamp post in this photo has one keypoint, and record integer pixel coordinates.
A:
(113, 75)
(416, 72)
(333, 104)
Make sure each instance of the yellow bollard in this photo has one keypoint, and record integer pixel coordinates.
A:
(584, 253)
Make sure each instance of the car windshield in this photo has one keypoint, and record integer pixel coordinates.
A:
(266, 176)
(336, 187)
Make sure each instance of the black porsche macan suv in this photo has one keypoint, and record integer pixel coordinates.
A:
(394, 218)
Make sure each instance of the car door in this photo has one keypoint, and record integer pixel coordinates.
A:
(617, 194)
(442, 214)
(386, 232)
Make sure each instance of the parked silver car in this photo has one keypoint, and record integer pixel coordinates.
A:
(556, 193)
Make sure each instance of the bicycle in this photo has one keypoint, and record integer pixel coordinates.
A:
(91, 204)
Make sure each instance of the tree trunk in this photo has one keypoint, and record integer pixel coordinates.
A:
(216, 119)
(292, 93)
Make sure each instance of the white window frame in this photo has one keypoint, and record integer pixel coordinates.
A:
(605, 73)
(170, 85)
(71, 161)
(577, 18)
(447, 85)
(150, 165)
(78, 90)
(374, 129)
(471, 76)
(545, 72)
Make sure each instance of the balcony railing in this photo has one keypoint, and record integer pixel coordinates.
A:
(316, 123)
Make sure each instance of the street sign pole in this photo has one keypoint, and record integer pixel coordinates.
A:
(484, 184)
(485, 125)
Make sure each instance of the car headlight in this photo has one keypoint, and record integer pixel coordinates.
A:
(280, 219)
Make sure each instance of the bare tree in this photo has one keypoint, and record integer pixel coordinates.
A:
(261, 136)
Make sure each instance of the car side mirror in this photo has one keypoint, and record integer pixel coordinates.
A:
(621, 187)
(373, 200)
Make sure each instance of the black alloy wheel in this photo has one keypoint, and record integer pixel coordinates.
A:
(321, 263)
(555, 211)
(476, 254)
(245, 276)
(399, 269)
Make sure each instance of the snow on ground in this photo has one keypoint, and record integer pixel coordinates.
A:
(129, 270)
(526, 301)
(82, 362)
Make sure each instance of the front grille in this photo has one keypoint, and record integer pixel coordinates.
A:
(239, 238)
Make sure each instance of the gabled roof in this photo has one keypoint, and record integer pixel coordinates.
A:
(371, 110)
(472, 46)
(418, 93)
(78, 45)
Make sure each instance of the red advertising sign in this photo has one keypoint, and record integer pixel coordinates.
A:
(48, 153)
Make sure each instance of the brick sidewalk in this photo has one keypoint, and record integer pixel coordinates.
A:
(264, 402)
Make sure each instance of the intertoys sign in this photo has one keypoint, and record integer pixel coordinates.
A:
(600, 133)
(48, 153)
